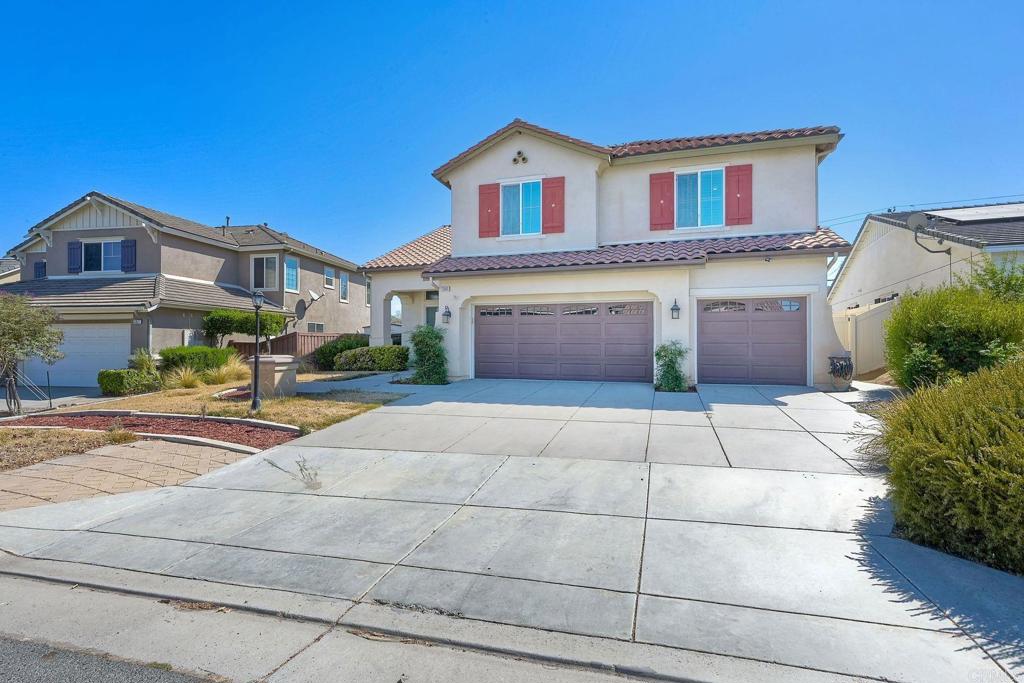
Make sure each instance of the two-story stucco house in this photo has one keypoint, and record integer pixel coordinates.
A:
(571, 260)
(123, 277)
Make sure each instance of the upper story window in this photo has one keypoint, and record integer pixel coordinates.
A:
(264, 272)
(700, 199)
(369, 282)
(328, 277)
(520, 208)
(101, 256)
(343, 287)
(291, 274)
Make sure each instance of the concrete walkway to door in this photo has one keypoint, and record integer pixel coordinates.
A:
(773, 562)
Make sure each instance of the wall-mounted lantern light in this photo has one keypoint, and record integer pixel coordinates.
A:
(446, 317)
(675, 309)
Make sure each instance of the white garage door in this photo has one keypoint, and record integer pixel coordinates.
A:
(87, 348)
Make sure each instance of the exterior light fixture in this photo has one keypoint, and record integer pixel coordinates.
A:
(257, 404)
(446, 317)
(675, 309)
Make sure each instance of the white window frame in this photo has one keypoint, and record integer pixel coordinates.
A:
(367, 289)
(298, 274)
(501, 208)
(252, 272)
(675, 188)
(348, 286)
(329, 281)
(100, 240)
(308, 331)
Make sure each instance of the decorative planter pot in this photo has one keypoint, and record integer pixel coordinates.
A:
(840, 369)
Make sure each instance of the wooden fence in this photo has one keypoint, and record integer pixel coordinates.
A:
(298, 344)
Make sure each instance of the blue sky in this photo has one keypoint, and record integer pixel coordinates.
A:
(325, 119)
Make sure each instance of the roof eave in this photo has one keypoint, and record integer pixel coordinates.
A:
(816, 140)
(547, 269)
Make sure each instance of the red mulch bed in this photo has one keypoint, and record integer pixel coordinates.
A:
(257, 437)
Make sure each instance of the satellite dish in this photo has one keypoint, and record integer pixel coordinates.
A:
(313, 296)
(918, 221)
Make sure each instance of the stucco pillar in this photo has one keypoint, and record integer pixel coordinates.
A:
(675, 290)
(380, 319)
(455, 332)
(412, 313)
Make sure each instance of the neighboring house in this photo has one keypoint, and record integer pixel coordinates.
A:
(124, 277)
(10, 270)
(888, 259)
(571, 260)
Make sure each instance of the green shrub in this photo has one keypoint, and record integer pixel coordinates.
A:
(182, 377)
(961, 329)
(431, 359)
(956, 465)
(221, 322)
(143, 361)
(126, 382)
(1004, 280)
(325, 355)
(670, 376)
(198, 358)
(376, 358)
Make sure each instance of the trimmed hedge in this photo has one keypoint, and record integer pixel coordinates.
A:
(199, 358)
(956, 460)
(431, 359)
(944, 333)
(325, 355)
(127, 381)
(380, 358)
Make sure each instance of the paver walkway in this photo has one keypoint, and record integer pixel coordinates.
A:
(108, 470)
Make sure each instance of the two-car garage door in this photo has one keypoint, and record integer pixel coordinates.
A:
(88, 348)
(608, 341)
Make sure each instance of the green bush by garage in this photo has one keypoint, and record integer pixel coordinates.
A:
(374, 358)
(326, 353)
(127, 381)
(956, 458)
(933, 336)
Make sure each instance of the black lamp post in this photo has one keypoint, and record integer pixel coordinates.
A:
(257, 303)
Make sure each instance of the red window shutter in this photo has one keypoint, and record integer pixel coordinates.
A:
(490, 210)
(739, 196)
(553, 196)
(663, 210)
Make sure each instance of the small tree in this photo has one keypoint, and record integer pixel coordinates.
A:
(26, 331)
(221, 322)
(1004, 281)
(271, 325)
(669, 357)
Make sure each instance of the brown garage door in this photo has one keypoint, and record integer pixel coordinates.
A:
(752, 341)
(603, 341)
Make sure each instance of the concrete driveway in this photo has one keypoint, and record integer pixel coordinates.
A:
(737, 522)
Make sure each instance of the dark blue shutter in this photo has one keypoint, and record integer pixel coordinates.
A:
(74, 256)
(128, 256)
(40, 270)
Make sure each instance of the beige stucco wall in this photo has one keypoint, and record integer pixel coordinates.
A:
(198, 260)
(796, 276)
(611, 203)
(886, 260)
(168, 326)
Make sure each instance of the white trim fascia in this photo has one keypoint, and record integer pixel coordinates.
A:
(298, 274)
(521, 236)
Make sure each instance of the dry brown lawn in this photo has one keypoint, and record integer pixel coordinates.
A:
(309, 411)
(23, 447)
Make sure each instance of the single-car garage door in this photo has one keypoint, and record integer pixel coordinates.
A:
(590, 341)
(752, 341)
(88, 348)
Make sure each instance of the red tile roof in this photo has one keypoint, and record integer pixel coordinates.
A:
(422, 251)
(629, 149)
(823, 239)
(640, 147)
